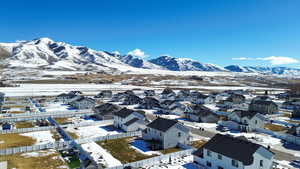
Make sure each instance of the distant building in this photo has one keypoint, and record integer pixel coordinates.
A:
(244, 120)
(296, 111)
(129, 120)
(83, 103)
(106, 111)
(183, 95)
(227, 152)
(149, 93)
(200, 113)
(165, 133)
(131, 99)
(236, 99)
(104, 94)
(1, 100)
(168, 94)
(150, 103)
(263, 106)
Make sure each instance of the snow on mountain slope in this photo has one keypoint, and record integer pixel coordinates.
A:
(184, 64)
(265, 70)
(138, 62)
(47, 54)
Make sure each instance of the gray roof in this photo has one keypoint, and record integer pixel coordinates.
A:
(236, 148)
(162, 124)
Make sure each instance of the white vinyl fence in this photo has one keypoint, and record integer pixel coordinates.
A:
(156, 160)
(25, 130)
(281, 135)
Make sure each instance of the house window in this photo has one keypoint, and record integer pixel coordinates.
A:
(160, 134)
(219, 156)
(235, 163)
(208, 153)
(179, 134)
(261, 163)
(255, 121)
(208, 163)
(219, 167)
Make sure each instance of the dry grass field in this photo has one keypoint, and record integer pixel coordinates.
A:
(15, 140)
(20, 125)
(198, 143)
(62, 120)
(46, 160)
(275, 127)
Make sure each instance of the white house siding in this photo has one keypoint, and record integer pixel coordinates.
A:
(153, 134)
(171, 138)
(133, 127)
(226, 162)
(193, 117)
(213, 159)
(261, 154)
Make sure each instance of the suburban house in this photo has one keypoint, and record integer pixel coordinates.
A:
(199, 98)
(183, 95)
(200, 113)
(295, 131)
(149, 93)
(227, 152)
(83, 103)
(236, 99)
(129, 120)
(168, 94)
(167, 103)
(179, 108)
(131, 99)
(150, 103)
(296, 111)
(66, 98)
(104, 94)
(165, 133)
(263, 106)
(1, 100)
(105, 111)
(244, 120)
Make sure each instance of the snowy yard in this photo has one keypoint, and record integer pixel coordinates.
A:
(41, 137)
(93, 131)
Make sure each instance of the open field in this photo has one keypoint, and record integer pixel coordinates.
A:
(121, 150)
(275, 127)
(73, 135)
(15, 140)
(62, 120)
(22, 124)
(170, 150)
(35, 160)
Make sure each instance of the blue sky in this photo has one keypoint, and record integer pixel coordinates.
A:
(223, 32)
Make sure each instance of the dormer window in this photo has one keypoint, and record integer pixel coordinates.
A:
(179, 134)
(208, 153)
(261, 163)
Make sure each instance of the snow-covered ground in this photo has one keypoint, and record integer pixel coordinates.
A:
(178, 163)
(92, 131)
(52, 107)
(100, 155)
(41, 137)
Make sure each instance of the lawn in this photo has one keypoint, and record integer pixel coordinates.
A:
(170, 150)
(121, 150)
(73, 135)
(50, 160)
(16, 112)
(20, 125)
(275, 127)
(198, 143)
(62, 120)
(15, 140)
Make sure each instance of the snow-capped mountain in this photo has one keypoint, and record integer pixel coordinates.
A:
(264, 70)
(184, 64)
(47, 54)
(138, 62)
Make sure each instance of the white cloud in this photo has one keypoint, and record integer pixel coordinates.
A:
(242, 58)
(274, 60)
(279, 60)
(138, 53)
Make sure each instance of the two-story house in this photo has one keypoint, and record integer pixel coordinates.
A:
(83, 103)
(129, 120)
(200, 113)
(244, 120)
(263, 106)
(105, 111)
(105, 94)
(164, 133)
(168, 94)
(227, 152)
(150, 103)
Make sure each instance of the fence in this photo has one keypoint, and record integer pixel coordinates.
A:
(156, 160)
(109, 137)
(284, 136)
(25, 130)
(54, 145)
